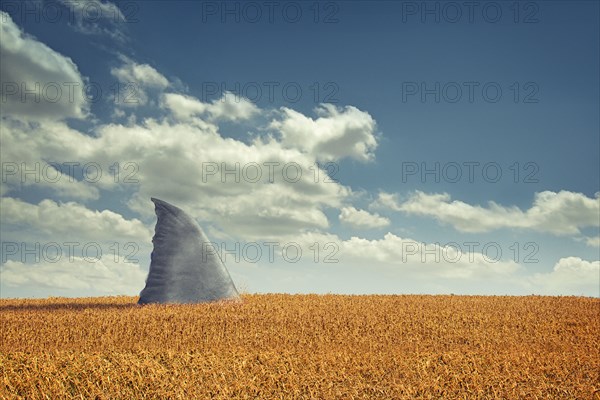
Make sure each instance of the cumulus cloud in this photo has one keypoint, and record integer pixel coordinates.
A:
(94, 277)
(287, 196)
(219, 179)
(362, 219)
(561, 213)
(38, 83)
(138, 81)
(570, 276)
(228, 108)
(142, 74)
(388, 201)
(434, 259)
(68, 248)
(55, 160)
(337, 132)
(411, 258)
(283, 186)
(183, 107)
(17, 175)
(182, 157)
(72, 219)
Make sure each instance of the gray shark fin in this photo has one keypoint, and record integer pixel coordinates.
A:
(184, 267)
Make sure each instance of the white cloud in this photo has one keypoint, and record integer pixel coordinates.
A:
(362, 219)
(72, 219)
(137, 81)
(170, 156)
(96, 17)
(52, 159)
(38, 83)
(337, 132)
(141, 74)
(232, 108)
(227, 108)
(67, 248)
(561, 213)
(593, 241)
(95, 277)
(277, 202)
(172, 160)
(183, 107)
(386, 201)
(17, 175)
(431, 259)
(570, 276)
(412, 259)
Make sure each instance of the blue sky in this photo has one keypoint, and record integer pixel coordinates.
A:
(375, 94)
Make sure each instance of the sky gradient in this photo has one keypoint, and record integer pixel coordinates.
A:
(330, 147)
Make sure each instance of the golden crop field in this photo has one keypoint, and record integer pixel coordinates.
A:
(279, 346)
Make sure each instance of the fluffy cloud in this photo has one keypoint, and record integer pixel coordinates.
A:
(71, 219)
(220, 179)
(67, 248)
(17, 175)
(228, 108)
(430, 259)
(186, 163)
(141, 74)
(183, 158)
(336, 133)
(362, 219)
(570, 276)
(137, 80)
(561, 213)
(183, 107)
(389, 264)
(49, 161)
(386, 201)
(38, 83)
(89, 277)
(454, 267)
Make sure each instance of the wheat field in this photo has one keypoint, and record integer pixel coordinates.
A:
(277, 346)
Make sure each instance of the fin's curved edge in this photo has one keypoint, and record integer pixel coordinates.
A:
(176, 276)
